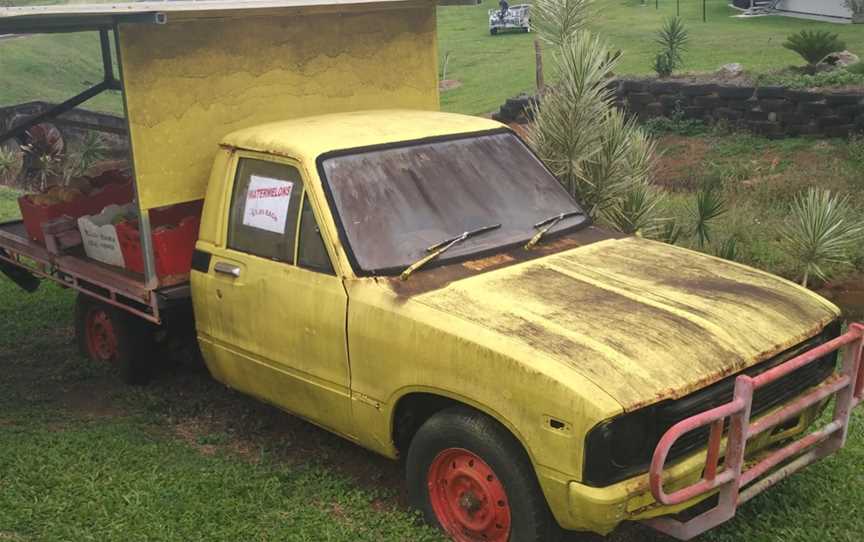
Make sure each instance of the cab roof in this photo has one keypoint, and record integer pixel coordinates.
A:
(310, 137)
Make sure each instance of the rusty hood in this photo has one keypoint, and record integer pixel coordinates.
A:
(642, 320)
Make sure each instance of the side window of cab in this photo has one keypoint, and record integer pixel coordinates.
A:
(271, 216)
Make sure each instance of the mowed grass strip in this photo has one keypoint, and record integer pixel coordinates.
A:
(119, 480)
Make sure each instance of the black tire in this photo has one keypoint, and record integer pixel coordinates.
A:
(462, 428)
(132, 339)
(493, 31)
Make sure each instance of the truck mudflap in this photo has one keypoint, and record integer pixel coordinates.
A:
(734, 485)
(20, 276)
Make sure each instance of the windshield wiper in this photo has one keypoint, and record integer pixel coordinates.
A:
(440, 248)
(547, 224)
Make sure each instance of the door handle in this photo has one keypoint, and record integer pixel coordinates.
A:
(227, 269)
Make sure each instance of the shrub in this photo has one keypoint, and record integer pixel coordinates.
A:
(822, 230)
(814, 45)
(834, 78)
(856, 69)
(857, 6)
(855, 148)
(672, 39)
(676, 124)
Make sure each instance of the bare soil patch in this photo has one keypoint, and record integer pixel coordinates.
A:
(680, 160)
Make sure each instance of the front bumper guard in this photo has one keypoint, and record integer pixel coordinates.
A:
(732, 483)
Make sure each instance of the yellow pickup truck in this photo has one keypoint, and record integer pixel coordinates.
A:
(419, 283)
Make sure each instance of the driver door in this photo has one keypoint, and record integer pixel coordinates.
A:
(276, 310)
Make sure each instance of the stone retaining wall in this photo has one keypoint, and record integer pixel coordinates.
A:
(74, 125)
(770, 111)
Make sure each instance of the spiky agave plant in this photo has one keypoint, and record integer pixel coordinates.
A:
(822, 230)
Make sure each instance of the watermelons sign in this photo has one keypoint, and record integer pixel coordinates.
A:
(267, 203)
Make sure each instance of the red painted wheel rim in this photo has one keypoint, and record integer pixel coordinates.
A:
(468, 498)
(101, 338)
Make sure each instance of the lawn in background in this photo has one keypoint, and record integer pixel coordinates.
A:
(491, 69)
(494, 68)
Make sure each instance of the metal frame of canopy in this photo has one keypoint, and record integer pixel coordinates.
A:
(105, 18)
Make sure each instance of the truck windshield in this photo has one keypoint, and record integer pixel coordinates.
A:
(394, 202)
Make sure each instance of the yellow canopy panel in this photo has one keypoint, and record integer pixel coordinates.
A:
(202, 70)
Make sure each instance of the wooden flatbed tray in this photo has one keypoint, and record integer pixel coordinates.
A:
(116, 286)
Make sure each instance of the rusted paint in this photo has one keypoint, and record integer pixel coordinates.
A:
(610, 311)
(436, 278)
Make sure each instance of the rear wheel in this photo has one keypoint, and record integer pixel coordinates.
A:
(471, 478)
(105, 334)
(493, 31)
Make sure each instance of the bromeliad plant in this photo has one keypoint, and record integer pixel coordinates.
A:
(823, 230)
(44, 153)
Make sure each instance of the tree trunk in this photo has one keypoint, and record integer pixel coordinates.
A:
(538, 58)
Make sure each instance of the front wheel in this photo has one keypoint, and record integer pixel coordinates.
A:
(106, 334)
(471, 478)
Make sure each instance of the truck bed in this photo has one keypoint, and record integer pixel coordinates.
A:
(118, 287)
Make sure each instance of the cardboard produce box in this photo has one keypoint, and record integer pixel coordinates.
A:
(99, 234)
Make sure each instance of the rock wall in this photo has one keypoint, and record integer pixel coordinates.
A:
(775, 112)
(74, 125)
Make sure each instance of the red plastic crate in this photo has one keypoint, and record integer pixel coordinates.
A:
(110, 187)
(175, 230)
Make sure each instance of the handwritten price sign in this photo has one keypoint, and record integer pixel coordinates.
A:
(267, 203)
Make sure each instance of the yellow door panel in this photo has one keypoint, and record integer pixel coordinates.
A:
(275, 330)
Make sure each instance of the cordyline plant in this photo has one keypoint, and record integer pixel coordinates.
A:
(672, 39)
(600, 156)
(823, 230)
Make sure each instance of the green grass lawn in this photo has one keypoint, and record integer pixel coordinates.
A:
(84, 458)
(491, 69)
(495, 68)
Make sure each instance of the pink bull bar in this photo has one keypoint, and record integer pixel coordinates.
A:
(732, 483)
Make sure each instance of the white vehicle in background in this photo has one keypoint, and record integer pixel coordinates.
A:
(516, 17)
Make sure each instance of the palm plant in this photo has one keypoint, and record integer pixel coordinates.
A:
(672, 39)
(814, 45)
(709, 205)
(822, 230)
